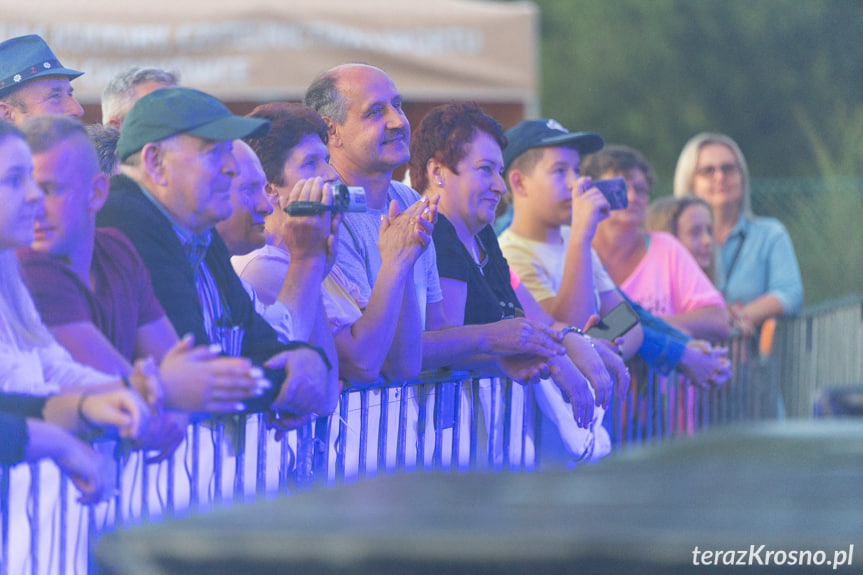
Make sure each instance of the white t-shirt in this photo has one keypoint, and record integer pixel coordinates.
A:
(41, 370)
(539, 265)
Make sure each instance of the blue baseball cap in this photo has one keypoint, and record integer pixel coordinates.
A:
(170, 111)
(26, 58)
(545, 132)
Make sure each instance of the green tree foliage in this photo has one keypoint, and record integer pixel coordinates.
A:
(832, 264)
(652, 74)
(784, 78)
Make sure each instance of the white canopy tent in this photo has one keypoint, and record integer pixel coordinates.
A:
(259, 50)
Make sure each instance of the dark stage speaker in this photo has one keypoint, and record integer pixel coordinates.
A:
(768, 498)
(839, 401)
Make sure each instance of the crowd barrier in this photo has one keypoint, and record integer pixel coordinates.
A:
(446, 421)
(821, 348)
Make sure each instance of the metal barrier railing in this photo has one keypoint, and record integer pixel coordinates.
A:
(446, 421)
(659, 407)
(822, 347)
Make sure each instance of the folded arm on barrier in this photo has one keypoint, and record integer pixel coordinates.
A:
(660, 351)
(662, 346)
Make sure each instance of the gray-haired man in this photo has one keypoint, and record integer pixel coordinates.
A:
(176, 156)
(130, 85)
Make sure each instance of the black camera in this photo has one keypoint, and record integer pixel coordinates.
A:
(345, 199)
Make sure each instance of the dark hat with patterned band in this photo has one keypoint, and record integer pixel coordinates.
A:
(25, 58)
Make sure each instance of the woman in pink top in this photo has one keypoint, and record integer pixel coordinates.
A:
(652, 268)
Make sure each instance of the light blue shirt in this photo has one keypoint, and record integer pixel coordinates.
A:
(360, 261)
(758, 258)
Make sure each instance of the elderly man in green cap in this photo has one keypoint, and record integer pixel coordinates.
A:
(177, 164)
(33, 82)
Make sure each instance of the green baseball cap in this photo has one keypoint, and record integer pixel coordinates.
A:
(170, 111)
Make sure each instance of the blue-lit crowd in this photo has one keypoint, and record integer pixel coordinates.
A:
(179, 260)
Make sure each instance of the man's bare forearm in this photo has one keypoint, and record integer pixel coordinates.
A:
(300, 293)
(364, 346)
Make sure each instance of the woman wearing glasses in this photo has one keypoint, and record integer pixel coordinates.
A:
(758, 271)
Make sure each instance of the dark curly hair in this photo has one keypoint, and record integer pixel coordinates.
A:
(444, 134)
(290, 123)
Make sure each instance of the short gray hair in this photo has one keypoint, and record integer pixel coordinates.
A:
(118, 95)
(323, 97)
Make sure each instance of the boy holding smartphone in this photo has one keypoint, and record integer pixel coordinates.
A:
(556, 212)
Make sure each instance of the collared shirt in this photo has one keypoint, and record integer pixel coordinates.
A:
(758, 258)
(214, 309)
(360, 261)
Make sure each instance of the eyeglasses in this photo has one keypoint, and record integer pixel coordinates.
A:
(709, 171)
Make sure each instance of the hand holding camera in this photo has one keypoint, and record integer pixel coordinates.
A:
(345, 199)
(315, 208)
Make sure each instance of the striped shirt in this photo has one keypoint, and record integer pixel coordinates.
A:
(217, 314)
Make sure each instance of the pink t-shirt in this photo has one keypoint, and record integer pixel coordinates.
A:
(668, 280)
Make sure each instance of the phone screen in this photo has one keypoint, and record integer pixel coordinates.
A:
(614, 190)
(615, 323)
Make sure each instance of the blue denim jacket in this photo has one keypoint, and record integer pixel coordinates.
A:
(758, 258)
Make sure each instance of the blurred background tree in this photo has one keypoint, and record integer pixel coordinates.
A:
(782, 77)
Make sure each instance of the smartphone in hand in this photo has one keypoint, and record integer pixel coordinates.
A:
(614, 190)
(615, 323)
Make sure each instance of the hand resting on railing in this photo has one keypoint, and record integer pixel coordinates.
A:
(122, 411)
(705, 365)
(303, 391)
(197, 379)
(576, 389)
(608, 352)
(584, 355)
(77, 459)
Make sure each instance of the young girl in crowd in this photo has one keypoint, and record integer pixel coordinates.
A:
(690, 220)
